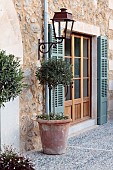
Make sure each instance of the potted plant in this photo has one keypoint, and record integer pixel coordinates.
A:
(10, 159)
(53, 127)
(11, 77)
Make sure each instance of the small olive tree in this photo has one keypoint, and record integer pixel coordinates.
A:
(11, 77)
(53, 72)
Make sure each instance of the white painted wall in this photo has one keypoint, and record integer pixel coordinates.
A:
(11, 42)
(10, 123)
(10, 35)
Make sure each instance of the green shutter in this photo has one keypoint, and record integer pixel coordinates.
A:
(59, 93)
(102, 67)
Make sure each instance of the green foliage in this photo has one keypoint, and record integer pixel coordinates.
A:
(10, 159)
(54, 72)
(10, 77)
(52, 117)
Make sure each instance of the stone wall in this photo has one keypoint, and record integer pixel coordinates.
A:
(30, 13)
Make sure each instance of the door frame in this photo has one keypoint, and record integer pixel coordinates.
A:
(81, 100)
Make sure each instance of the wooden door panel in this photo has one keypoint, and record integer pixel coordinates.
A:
(77, 111)
(86, 109)
(68, 111)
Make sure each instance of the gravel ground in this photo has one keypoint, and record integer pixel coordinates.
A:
(91, 150)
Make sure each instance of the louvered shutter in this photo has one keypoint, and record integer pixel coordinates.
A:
(102, 67)
(58, 53)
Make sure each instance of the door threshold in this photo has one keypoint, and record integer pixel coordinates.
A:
(82, 126)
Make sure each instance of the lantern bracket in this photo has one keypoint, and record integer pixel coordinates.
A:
(62, 17)
(42, 46)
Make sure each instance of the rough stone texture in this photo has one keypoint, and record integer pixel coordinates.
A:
(110, 84)
(31, 101)
(110, 64)
(111, 44)
(111, 24)
(30, 15)
(111, 4)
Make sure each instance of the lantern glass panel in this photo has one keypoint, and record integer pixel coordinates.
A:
(69, 29)
(59, 29)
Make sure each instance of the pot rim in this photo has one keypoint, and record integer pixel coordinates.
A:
(62, 121)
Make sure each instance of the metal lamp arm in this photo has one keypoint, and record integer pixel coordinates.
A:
(42, 46)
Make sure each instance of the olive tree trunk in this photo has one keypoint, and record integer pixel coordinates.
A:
(53, 100)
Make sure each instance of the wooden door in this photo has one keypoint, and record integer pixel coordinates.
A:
(77, 97)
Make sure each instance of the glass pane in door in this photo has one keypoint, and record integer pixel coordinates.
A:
(77, 67)
(76, 89)
(77, 47)
(85, 47)
(68, 93)
(68, 90)
(85, 67)
(85, 88)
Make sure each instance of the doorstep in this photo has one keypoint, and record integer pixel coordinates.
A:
(81, 127)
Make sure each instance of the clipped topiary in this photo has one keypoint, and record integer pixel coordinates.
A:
(11, 77)
(53, 72)
(10, 159)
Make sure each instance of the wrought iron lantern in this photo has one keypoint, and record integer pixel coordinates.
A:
(62, 27)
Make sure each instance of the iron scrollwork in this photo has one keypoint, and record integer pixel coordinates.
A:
(42, 46)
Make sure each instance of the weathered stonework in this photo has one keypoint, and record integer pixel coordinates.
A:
(98, 13)
(30, 14)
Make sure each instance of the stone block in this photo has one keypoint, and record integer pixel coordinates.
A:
(110, 84)
(110, 105)
(86, 28)
(111, 24)
(110, 64)
(110, 44)
(111, 4)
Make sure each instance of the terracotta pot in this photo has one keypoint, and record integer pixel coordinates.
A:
(54, 135)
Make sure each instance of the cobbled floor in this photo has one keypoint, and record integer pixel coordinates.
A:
(90, 150)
